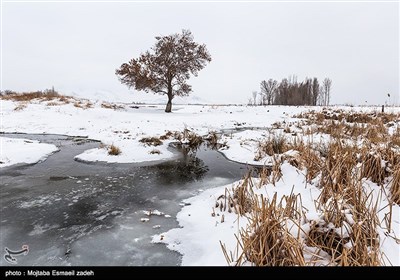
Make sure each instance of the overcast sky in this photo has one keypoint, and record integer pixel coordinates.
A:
(78, 46)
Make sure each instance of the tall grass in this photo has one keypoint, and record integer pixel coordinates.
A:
(395, 185)
(346, 232)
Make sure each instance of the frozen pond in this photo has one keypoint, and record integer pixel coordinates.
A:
(75, 213)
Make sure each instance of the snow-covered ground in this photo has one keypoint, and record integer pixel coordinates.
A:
(125, 127)
(203, 228)
(14, 151)
(198, 239)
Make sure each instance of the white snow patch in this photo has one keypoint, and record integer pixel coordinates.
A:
(14, 151)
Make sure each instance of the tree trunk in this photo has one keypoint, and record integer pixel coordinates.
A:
(169, 94)
(169, 106)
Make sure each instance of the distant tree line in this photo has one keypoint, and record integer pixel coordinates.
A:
(291, 92)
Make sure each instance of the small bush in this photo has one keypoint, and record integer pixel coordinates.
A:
(151, 141)
(155, 152)
(113, 150)
(275, 144)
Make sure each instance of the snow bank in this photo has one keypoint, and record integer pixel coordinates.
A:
(132, 151)
(14, 151)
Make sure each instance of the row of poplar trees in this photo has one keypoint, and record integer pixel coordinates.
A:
(291, 92)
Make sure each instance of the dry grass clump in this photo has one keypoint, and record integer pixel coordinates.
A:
(151, 141)
(395, 138)
(374, 167)
(333, 128)
(266, 240)
(395, 185)
(276, 173)
(377, 132)
(83, 104)
(389, 117)
(338, 169)
(274, 144)
(242, 196)
(167, 135)
(348, 229)
(239, 199)
(309, 159)
(312, 117)
(65, 99)
(354, 117)
(188, 139)
(355, 130)
(192, 139)
(264, 174)
(113, 150)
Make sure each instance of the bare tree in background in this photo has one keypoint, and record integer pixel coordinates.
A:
(167, 68)
(326, 85)
(255, 97)
(321, 96)
(268, 90)
(315, 91)
(291, 92)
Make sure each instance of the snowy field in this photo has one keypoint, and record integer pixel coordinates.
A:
(124, 127)
(242, 128)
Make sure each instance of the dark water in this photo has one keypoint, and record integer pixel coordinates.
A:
(74, 213)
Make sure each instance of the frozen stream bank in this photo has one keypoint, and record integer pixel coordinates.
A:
(74, 213)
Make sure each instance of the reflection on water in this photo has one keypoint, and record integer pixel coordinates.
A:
(188, 168)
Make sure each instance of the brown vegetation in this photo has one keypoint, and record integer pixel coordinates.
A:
(361, 148)
(113, 150)
(151, 141)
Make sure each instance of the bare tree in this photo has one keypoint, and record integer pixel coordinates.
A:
(315, 91)
(255, 97)
(268, 89)
(327, 83)
(321, 96)
(167, 68)
(291, 92)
